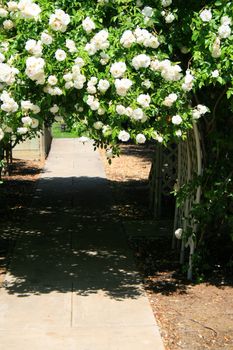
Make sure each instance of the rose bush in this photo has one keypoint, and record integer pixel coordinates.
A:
(91, 54)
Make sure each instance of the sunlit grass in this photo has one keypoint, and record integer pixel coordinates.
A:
(58, 132)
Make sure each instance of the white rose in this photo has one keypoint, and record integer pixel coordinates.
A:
(104, 58)
(103, 85)
(169, 18)
(140, 138)
(83, 139)
(100, 40)
(60, 55)
(142, 35)
(69, 85)
(178, 133)
(224, 31)
(35, 109)
(188, 81)
(155, 65)
(79, 79)
(129, 111)
(98, 125)
(35, 123)
(27, 121)
(146, 83)
(91, 89)
(94, 80)
(147, 11)
(46, 39)
(52, 80)
(35, 69)
(157, 136)
(12, 5)
(58, 118)
(127, 39)
(68, 77)
(109, 153)
(215, 73)
(3, 12)
(22, 130)
(178, 233)
(34, 47)
(7, 129)
(101, 111)
(216, 49)
(196, 114)
(139, 3)
(9, 105)
(166, 3)
(78, 84)
(152, 42)
(4, 46)
(70, 44)
(123, 136)
(95, 105)
(206, 15)
(169, 100)
(79, 62)
(144, 100)
(88, 25)
(106, 130)
(56, 91)
(54, 109)
(2, 58)
(120, 109)
(91, 48)
(1, 134)
(122, 86)
(170, 72)
(141, 61)
(226, 20)
(176, 119)
(202, 109)
(59, 20)
(118, 69)
(8, 24)
(138, 114)
(26, 105)
(28, 9)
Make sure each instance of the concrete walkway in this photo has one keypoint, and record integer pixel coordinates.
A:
(72, 282)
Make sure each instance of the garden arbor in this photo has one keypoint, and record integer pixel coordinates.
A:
(111, 79)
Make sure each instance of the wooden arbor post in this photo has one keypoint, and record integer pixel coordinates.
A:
(189, 165)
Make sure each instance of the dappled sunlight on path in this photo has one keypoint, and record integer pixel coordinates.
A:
(71, 266)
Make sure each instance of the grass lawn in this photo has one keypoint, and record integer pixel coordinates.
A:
(57, 133)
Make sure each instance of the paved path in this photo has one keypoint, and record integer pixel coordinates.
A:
(72, 283)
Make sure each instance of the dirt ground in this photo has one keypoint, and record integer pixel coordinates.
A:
(191, 317)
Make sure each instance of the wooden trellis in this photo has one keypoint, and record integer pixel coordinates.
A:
(178, 165)
(163, 176)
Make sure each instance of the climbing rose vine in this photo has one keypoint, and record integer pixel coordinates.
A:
(122, 70)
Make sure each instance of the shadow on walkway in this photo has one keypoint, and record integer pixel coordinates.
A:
(71, 240)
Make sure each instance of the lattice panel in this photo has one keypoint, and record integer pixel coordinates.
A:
(163, 175)
(168, 169)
